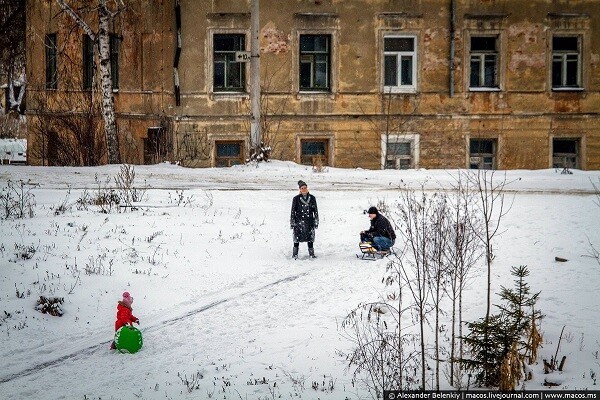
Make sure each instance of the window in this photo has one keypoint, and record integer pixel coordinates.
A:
(228, 75)
(398, 155)
(315, 59)
(314, 152)
(399, 69)
(51, 61)
(155, 146)
(484, 62)
(482, 154)
(566, 62)
(115, 44)
(89, 66)
(228, 154)
(88, 62)
(565, 153)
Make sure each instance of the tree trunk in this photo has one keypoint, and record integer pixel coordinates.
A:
(108, 105)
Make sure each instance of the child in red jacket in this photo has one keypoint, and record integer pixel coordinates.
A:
(124, 314)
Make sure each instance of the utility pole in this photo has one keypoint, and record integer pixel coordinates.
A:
(255, 77)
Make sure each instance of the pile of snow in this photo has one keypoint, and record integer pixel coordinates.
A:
(224, 310)
(13, 151)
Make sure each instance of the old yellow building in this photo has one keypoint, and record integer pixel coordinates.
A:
(502, 84)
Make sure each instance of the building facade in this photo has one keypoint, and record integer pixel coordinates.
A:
(375, 84)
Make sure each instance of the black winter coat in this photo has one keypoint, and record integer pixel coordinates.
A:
(380, 226)
(304, 218)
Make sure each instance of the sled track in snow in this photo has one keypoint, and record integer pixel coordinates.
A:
(102, 346)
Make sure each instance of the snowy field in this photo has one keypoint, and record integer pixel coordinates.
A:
(225, 313)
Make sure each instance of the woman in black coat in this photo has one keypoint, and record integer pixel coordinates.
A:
(304, 219)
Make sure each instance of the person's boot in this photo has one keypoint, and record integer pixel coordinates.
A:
(311, 252)
(295, 253)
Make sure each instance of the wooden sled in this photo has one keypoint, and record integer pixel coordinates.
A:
(368, 252)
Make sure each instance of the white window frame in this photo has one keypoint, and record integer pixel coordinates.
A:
(412, 138)
(399, 88)
(482, 56)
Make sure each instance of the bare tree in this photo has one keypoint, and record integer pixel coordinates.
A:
(72, 137)
(463, 252)
(392, 124)
(381, 357)
(193, 148)
(271, 113)
(105, 14)
(438, 269)
(413, 221)
(492, 208)
(12, 49)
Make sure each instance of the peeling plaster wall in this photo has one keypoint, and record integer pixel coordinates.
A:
(145, 66)
(522, 116)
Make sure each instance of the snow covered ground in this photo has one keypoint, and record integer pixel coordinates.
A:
(225, 313)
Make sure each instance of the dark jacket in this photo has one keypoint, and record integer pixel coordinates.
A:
(380, 226)
(304, 218)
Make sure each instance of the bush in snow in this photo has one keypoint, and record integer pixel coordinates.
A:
(16, 200)
(50, 305)
(499, 344)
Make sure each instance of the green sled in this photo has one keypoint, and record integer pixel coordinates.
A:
(128, 339)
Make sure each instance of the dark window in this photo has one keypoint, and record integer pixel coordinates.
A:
(228, 154)
(51, 61)
(482, 154)
(398, 156)
(314, 152)
(115, 45)
(228, 74)
(399, 62)
(155, 146)
(484, 62)
(88, 62)
(315, 57)
(565, 153)
(89, 65)
(566, 62)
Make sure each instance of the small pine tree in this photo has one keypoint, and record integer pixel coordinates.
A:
(492, 341)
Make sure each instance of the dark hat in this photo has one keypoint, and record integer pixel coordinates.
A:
(301, 183)
(372, 210)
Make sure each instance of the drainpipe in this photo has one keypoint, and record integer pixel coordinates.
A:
(452, 30)
(177, 53)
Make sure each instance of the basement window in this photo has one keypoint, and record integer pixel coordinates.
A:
(314, 152)
(399, 155)
(228, 153)
(482, 153)
(565, 153)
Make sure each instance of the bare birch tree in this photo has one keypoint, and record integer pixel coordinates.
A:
(105, 14)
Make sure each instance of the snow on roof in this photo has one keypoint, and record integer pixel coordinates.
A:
(13, 151)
